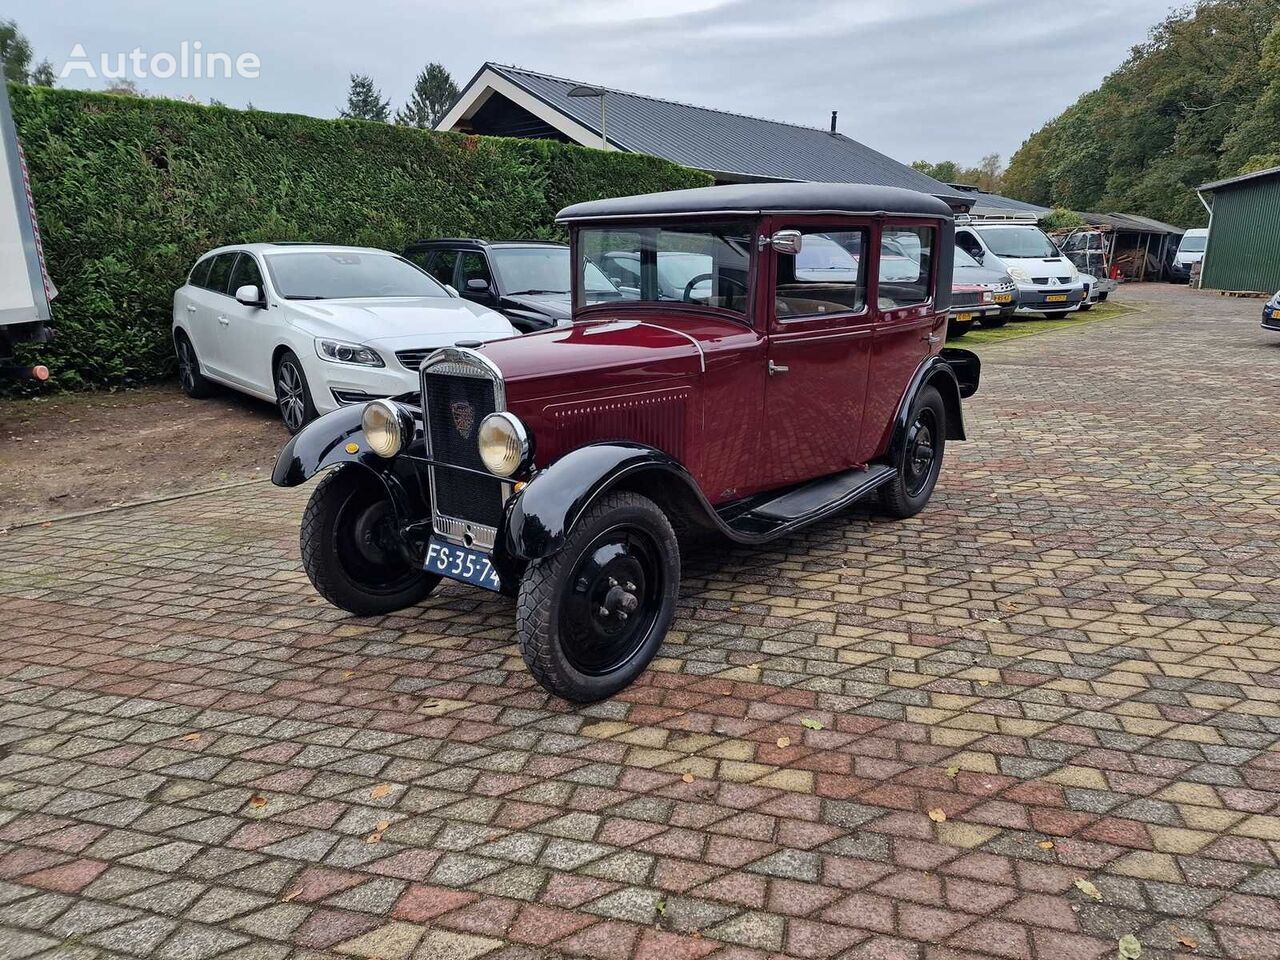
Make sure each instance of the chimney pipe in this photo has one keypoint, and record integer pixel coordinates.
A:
(833, 121)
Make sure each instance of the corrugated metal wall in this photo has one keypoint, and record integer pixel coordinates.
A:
(1244, 238)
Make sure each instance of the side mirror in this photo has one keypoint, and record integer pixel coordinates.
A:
(453, 291)
(478, 286)
(787, 241)
(250, 296)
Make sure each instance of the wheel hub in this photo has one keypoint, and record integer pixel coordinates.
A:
(611, 607)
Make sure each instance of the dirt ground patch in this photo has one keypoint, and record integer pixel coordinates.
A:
(72, 452)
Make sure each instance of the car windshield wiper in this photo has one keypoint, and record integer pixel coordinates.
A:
(520, 293)
(304, 296)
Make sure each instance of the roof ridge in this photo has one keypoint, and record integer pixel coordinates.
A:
(676, 103)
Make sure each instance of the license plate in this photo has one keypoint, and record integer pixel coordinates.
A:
(461, 563)
(1056, 298)
(963, 317)
(1004, 298)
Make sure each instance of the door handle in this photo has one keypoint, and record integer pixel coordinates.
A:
(224, 321)
(775, 369)
(931, 338)
(190, 308)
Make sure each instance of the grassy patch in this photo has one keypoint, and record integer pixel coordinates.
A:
(1016, 329)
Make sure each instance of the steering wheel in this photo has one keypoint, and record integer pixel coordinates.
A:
(700, 278)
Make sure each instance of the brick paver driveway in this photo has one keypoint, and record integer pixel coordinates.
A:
(1040, 716)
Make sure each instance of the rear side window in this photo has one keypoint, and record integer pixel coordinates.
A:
(827, 276)
(220, 272)
(200, 272)
(246, 271)
(906, 266)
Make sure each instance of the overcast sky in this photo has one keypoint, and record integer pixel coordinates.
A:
(916, 79)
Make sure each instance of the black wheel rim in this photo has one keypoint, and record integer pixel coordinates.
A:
(612, 600)
(922, 452)
(186, 365)
(291, 395)
(367, 544)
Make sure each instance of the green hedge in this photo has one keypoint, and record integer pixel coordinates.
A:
(130, 191)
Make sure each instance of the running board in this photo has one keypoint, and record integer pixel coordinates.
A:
(810, 502)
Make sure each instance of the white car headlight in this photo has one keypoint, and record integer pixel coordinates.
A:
(339, 351)
(503, 443)
(387, 427)
(1274, 302)
(1020, 273)
(1075, 272)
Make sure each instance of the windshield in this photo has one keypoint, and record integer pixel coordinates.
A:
(704, 264)
(543, 269)
(342, 274)
(1018, 242)
(1192, 245)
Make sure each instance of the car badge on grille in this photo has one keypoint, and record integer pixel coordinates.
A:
(464, 418)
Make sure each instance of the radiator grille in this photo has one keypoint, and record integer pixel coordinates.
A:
(455, 399)
(966, 298)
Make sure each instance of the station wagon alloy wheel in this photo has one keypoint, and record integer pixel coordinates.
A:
(193, 383)
(293, 397)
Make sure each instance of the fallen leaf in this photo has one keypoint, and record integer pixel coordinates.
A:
(687, 778)
(373, 838)
(953, 772)
(1191, 943)
(348, 674)
(1130, 948)
(784, 741)
(189, 738)
(810, 724)
(937, 815)
(984, 683)
(1088, 889)
(257, 801)
(661, 907)
(292, 895)
(380, 791)
(1045, 844)
(382, 825)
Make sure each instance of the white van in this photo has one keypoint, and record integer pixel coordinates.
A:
(1047, 281)
(1190, 252)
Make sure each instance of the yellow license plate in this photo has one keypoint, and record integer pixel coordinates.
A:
(1056, 298)
(963, 317)
(1004, 298)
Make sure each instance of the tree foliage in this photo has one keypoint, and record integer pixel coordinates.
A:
(130, 190)
(986, 175)
(1200, 99)
(433, 94)
(15, 51)
(365, 101)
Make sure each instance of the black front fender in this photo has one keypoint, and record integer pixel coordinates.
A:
(542, 514)
(954, 374)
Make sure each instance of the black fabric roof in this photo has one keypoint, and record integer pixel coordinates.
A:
(757, 198)
(721, 142)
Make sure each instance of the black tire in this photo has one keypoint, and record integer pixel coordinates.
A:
(991, 323)
(958, 328)
(349, 547)
(1055, 314)
(293, 394)
(570, 634)
(912, 486)
(1086, 307)
(194, 383)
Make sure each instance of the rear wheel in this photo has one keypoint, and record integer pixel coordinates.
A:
(351, 548)
(920, 460)
(194, 384)
(591, 617)
(293, 396)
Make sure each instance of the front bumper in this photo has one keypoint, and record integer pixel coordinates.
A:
(1271, 318)
(335, 385)
(1038, 298)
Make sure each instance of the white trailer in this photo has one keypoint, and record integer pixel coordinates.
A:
(25, 288)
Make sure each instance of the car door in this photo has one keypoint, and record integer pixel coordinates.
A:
(213, 317)
(820, 338)
(248, 332)
(907, 328)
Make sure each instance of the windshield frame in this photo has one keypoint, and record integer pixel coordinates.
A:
(991, 230)
(271, 255)
(582, 307)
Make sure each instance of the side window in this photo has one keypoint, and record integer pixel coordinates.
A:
(827, 276)
(968, 243)
(200, 273)
(440, 265)
(245, 271)
(475, 267)
(220, 272)
(906, 266)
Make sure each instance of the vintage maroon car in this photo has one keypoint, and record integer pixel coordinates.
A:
(742, 390)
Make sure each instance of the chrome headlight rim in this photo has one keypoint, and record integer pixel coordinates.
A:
(388, 437)
(520, 448)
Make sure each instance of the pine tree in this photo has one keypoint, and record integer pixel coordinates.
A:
(364, 101)
(434, 93)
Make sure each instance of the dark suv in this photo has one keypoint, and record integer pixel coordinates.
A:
(525, 280)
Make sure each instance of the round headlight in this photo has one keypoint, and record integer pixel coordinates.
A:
(503, 442)
(384, 427)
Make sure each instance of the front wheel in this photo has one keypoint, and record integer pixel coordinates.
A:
(1055, 314)
(920, 459)
(293, 395)
(352, 550)
(999, 320)
(591, 617)
(1086, 307)
(958, 328)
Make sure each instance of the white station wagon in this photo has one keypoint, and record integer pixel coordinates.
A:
(314, 328)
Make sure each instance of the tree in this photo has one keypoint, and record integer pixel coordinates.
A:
(364, 101)
(434, 92)
(985, 176)
(43, 75)
(124, 88)
(15, 51)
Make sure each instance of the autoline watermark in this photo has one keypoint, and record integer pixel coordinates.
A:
(189, 62)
